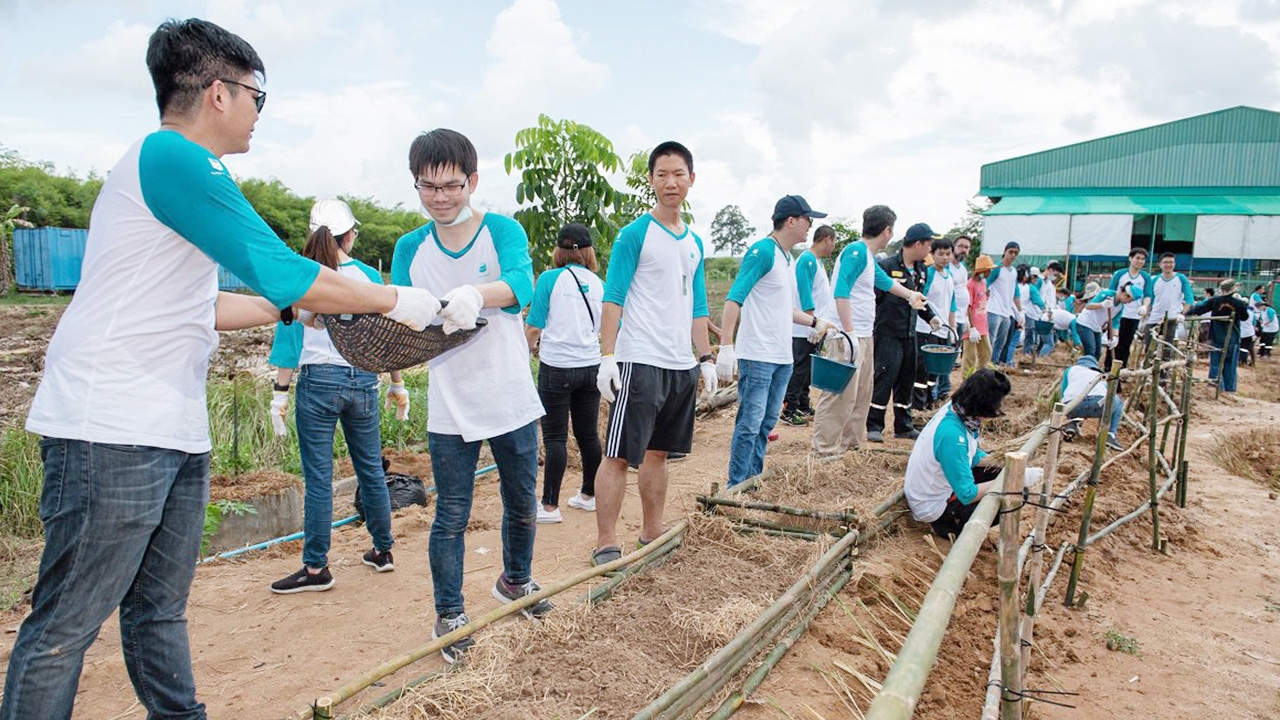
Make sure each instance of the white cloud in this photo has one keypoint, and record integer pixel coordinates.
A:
(106, 65)
(751, 22)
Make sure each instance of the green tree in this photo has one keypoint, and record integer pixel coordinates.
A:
(970, 225)
(9, 220)
(380, 227)
(562, 167)
(284, 212)
(846, 232)
(730, 230)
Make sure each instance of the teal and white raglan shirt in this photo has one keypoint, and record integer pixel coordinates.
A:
(813, 293)
(130, 358)
(1270, 322)
(482, 388)
(764, 288)
(1168, 297)
(1029, 296)
(1097, 318)
(656, 277)
(1002, 285)
(295, 345)
(941, 463)
(940, 292)
(566, 308)
(857, 277)
(1140, 285)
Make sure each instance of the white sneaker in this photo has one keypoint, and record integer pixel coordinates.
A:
(545, 516)
(588, 504)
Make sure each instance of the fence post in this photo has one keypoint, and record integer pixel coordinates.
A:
(1056, 420)
(1153, 424)
(1092, 492)
(1185, 421)
(1015, 470)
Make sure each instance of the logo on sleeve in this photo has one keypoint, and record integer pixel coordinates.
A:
(484, 268)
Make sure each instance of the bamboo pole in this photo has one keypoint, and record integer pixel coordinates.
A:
(781, 527)
(1153, 418)
(1133, 515)
(847, 517)
(1092, 493)
(1010, 658)
(795, 535)
(1180, 462)
(1038, 535)
(605, 589)
(351, 688)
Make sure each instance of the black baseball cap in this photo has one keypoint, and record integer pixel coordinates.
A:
(918, 232)
(794, 206)
(574, 235)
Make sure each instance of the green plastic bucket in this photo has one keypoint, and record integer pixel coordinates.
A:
(831, 375)
(1044, 326)
(940, 359)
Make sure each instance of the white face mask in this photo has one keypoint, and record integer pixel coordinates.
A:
(464, 215)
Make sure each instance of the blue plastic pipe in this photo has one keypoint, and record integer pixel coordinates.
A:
(299, 535)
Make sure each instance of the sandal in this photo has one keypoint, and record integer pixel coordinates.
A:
(605, 555)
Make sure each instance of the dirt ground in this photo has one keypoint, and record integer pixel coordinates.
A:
(1203, 618)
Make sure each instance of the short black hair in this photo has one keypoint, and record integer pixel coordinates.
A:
(442, 148)
(185, 56)
(823, 232)
(982, 393)
(671, 147)
(941, 244)
(1054, 265)
(876, 219)
(1168, 255)
(1023, 271)
(1138, 251)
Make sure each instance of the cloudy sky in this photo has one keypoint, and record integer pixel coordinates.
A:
(847, 102)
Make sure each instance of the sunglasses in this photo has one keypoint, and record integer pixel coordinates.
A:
(260, 95)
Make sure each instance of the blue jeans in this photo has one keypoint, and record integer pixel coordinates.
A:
(1015, 338)
(122, 530)
(453, 461)
(327, 395)
(1000, 329)
(1228, 381)
(1090, 342)
(1091, 407)
(761, 389)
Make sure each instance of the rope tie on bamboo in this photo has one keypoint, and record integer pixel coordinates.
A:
(1009, 695)
(1025, 494)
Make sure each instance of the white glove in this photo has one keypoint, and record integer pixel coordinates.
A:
(935, 323)
(708, 370)
(1143, 310)
(461, 307)
(279, 403)
(398, 394)
(1113, 341)
(415, 308)
(608, 379)
(726, 363)
(917, 301)
(821, 331)
(311, 320)
(1032, 477)
(1179, 318)
(974, 335)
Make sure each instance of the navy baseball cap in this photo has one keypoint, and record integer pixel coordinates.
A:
(794, 206)
(918, 232)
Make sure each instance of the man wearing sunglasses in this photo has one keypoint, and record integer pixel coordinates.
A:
(122, 406)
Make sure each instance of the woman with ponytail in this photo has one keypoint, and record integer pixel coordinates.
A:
(330, 391)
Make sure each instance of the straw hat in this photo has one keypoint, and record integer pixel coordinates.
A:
(983, 264)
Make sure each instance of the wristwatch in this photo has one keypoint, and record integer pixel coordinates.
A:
(280, 388)
(706, 358)
(286, 317)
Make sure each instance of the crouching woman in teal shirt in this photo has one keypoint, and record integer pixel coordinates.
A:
(944, 480)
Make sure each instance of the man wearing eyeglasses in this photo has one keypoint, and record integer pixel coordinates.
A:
(479, 264)
(122, 407)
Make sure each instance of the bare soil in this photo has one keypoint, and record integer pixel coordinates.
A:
(1204, 614)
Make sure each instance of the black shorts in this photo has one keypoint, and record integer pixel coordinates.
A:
(653, 411)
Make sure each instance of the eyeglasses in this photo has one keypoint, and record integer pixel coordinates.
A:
(260, 97)
(452, 189)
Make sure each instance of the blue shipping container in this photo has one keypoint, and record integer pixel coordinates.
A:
(49, 258)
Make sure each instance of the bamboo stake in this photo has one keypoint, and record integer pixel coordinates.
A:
(1092, 493)
(1186, 422)
(1133, 515)
(780, 509)
(1152, 416)
(1010, 659)
(1056, 421)
(351, 688)
(797, 535)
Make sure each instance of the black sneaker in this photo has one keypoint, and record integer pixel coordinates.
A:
(446, 624)
(380, 561)
(303, 581)
(807, 412)
(504, 592)
(795, 418)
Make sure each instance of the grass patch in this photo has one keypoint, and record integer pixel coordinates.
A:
(21, 477)
(1122, 643)
(1252, 454)
(17, 298)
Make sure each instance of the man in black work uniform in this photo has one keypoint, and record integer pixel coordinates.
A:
(895, 337)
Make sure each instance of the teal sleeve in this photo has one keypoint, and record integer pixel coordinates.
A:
(406, 249)
(928, 279)
(700, 309)
(991, 276)
(374, 276)
(286, 346)
(977, 457)
(757, 262)
(1115, 279)
(624, 257)
(542, 298)
(1035, 298)
(1062, 389)
(806, 269)
(1148, 285)
(853, 260)
(953, 302)
(883, 282)
(1187, 296)
(512, 244)
(192, 193)
(951, 449)
(1075, 334)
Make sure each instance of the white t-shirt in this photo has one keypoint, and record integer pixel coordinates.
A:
(1133, 308)
(944, 445)
(764, 287)
(960, 276)
(1168, 297)
(656, 277)
(1002, 283)
(567, 310)
(296, 345)
(1076, 379)
(812, 281)
(857, 277)
(484, 387)
(941, 294)
(129, 360)
(1098, 318)
(1247, 329)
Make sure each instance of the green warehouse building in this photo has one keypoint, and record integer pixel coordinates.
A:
(1206, 188)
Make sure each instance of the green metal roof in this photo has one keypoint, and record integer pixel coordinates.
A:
(1137, 205)
(1229, 152)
